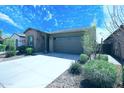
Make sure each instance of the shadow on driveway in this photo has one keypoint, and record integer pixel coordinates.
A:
(61, 55)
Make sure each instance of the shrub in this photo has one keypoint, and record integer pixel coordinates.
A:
(9, 42)
(29, 51)
(11, 51)
(75, 68)
(2, 47)
(100, 73)
(22, 49)
(102, 57)
(10, 47)
(83, 58)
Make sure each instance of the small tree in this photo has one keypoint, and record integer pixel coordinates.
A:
(9, 42)
(88, 48)
(88, 42)
(10, 47)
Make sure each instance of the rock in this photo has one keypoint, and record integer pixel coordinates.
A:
(66, 80)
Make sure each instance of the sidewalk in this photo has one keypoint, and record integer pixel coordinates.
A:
(2, 53)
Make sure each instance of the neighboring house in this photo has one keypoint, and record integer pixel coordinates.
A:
(3, 38)
(114, 44)
(66, 41)
(19, 39)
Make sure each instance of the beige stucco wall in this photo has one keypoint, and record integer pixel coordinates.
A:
(68, 42)
(38, 37)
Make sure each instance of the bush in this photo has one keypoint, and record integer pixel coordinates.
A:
(75, 68)
(11, 51)
(22, 49)
(83, 58)
(102, 57)
(2, 47)
(100, 73)
(29, 51)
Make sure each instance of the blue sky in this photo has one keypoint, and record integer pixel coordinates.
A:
(48, 17)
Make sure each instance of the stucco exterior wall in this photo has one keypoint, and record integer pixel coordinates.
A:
(38, 40)
(68, 42)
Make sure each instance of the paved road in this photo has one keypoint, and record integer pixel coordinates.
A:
(33, 71)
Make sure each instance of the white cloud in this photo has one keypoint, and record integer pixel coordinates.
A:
(101, 33)
(8, 19)
(44, 8)
(49, 16)
(95, 21)
(107, 16)
(56, 23)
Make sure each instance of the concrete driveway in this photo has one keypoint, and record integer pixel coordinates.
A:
(34, 71)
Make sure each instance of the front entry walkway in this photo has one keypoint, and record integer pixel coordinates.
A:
(34, 71)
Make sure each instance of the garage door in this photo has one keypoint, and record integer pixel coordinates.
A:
(68, 45)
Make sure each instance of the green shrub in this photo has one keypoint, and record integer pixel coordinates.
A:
(11, 51)
(2, 47)
(83, 58)
(75, 68)
(29, 51)
(102, 57)
(22, 49)
(100, 73)
(10, 47)
(9, 42)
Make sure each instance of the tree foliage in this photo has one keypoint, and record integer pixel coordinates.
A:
(88, 42)
(0, 33)
(10, 47)
(9, 42)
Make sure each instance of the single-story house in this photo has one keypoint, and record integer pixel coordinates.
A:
(19, 39)
(65, 41)
(114, 44)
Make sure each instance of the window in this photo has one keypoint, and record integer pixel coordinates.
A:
(30, 40)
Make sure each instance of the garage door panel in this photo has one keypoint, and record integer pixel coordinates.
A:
(68, 45)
